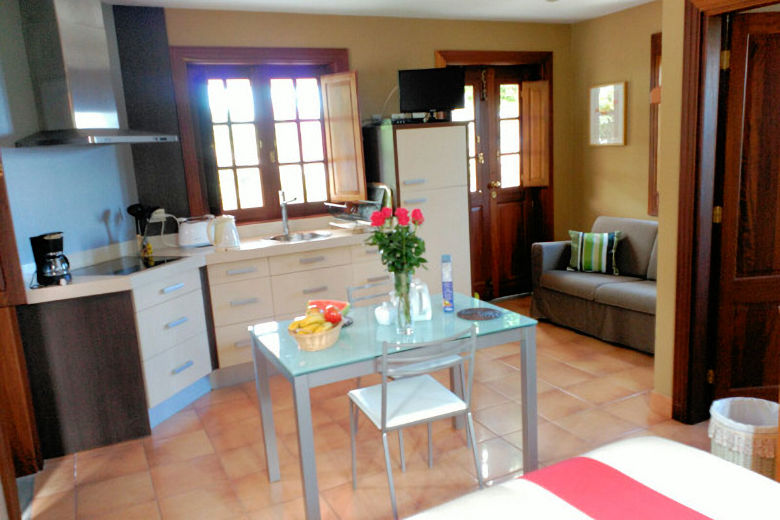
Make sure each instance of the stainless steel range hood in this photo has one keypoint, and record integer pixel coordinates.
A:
(71, 49)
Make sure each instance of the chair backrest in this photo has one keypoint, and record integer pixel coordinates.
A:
(370, 293)
(423, 358)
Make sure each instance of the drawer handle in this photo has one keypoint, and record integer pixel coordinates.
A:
(245, 301)
(176, 323)
(182, 368)
(245, 270)
(321, 288)
(171, 288)
(372, 250)
(413, 181)
(378, 278)
(421, 200)
(312, 259)
(242, 344)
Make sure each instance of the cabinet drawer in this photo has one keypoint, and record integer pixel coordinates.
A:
(309, 260)
(370, 272)
(234, 271)
(234, 345)
(244, 300)
(163, 326)
(292, 291)
(431, 158)
(364, 253)
(167, 289)
(176, 368)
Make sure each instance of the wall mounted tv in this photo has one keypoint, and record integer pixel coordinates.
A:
(431, 90)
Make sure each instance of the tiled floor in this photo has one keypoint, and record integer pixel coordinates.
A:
(208, 462)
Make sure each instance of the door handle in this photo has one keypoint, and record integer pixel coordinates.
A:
(494, 184)
(481, 158)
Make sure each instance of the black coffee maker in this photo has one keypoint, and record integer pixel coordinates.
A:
(52, 267)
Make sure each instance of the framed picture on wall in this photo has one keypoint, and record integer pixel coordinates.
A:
(608, 114)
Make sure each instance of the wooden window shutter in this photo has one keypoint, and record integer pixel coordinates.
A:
(535, 148)
(343, 138)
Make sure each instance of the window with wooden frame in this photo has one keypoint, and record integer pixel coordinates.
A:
(252, 124)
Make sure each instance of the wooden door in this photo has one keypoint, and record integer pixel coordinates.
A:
(343, 137)
(505, 148)
(748, 351)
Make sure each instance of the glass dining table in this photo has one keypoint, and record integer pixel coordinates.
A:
(355, 354)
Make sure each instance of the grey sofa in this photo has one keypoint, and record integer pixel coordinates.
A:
(620, 309)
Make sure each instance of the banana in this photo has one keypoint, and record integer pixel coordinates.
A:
(294, 325)
(312, 319)
(309, 329)
(325, 326)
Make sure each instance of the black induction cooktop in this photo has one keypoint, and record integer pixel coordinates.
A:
(124, 265)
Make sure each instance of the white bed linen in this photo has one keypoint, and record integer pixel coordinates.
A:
(707, 484)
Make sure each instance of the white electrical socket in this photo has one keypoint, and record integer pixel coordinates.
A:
(157, 215)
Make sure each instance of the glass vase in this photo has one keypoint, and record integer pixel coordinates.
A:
(403, 315)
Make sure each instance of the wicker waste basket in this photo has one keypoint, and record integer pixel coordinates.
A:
(743, 430)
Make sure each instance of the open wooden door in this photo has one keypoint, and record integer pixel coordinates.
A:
(343, 137)
(748, 348)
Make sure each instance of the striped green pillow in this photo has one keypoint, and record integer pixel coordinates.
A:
(594, 252)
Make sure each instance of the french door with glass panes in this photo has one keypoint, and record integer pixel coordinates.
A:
(504, 213)
(260, 130)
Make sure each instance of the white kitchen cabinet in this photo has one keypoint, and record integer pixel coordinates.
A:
(173, 341)
(426, 166)
(292, 290)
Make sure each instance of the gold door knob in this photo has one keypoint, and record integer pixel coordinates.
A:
(494, 184)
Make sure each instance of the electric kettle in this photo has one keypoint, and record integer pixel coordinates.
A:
(223, 233)
(420, 300)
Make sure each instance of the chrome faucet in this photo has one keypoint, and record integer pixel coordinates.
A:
(283, 204)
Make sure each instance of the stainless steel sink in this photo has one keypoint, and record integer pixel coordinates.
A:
(301, 237)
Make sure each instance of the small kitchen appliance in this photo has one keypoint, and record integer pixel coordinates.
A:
(223, 232)
(52, 267)
(194, 231)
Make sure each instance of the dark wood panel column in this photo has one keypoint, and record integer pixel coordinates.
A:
(85, 372)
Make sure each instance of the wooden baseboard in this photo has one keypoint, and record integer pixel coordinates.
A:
(661, 404)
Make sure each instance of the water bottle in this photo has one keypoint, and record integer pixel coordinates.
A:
(446, 284)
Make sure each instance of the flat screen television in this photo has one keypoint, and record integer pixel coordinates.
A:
(426, 90)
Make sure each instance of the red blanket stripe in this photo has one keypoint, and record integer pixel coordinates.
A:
(604, 493)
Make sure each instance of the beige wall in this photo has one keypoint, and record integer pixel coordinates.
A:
(379, 47)
(668, 187)
(612, 180)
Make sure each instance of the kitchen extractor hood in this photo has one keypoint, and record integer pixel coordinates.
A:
(71, 49)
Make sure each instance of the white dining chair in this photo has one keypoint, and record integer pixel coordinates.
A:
(409, 395)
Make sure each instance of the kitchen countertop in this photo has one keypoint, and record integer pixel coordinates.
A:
(260, 247)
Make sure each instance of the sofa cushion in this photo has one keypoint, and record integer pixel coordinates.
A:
(582, 285)
(635, 296)
(593, 252)
(636, 242)
(652, 268)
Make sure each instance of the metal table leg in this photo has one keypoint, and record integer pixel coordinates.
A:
(530, 430)
(266, 412)
(306, 447)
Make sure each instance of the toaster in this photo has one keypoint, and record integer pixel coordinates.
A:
(194, 231)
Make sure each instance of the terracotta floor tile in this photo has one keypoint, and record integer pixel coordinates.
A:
(145, 511)
(292, 510)
(110, 462)
(255, 492)
(499, 351)
(691, 434)
(599, 364)
(238, 434)
(512, 386)
(177, 449)
(58, 476)
(596, 426)
(242, 461)
(490, 369)
(181, 477)
(498, 458)
(636, 410)
(555, 443)
(501, 419)
(55, 506)
(563, 351)
(216, 502)
(108, 495)
(185, 421)
(637, 378)
(218, 418)
(558, 373)
(482, 396)
(556, 404)
(220, 395)
(599, 391)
